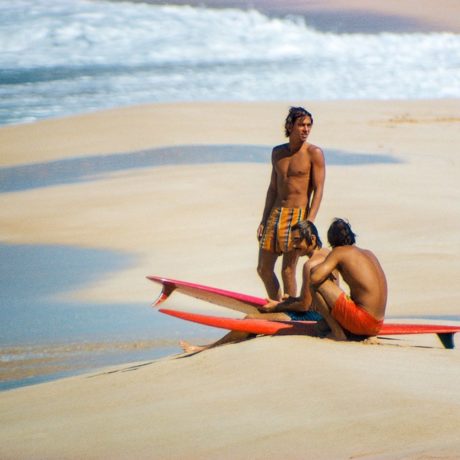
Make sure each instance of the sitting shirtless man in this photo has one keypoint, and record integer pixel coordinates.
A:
(362, 313)
(306, 242)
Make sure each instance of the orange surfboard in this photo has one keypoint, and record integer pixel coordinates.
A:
(269, 327)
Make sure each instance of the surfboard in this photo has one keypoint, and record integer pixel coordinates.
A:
(229, 299)
(270, 327)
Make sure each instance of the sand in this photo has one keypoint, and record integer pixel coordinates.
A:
(295, 397)
(406, 212)
(272, 397)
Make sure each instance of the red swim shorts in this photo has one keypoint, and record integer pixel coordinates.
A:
(353, 318)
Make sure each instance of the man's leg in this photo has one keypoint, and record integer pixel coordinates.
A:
(266, 271)
(324, 298)
(234, 336)
(231, 337)
(288, 272)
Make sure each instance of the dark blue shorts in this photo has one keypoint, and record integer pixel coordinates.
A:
(304, 315)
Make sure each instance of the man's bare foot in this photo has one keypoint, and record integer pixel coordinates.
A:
(337, 337)
(189, 348)
(338, 333)
(372, 341)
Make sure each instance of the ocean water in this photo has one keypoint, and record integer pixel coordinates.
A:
(61, 57)
(44, 336)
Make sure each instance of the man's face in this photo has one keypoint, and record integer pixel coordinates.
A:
(300, 244)
(301, 128)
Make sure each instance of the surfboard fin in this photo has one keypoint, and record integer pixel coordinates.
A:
(447, 339)
(166, 291)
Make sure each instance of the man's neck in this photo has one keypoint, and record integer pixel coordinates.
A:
(295, 145)
(313, 252)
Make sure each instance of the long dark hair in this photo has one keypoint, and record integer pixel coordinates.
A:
(340, 233)
(294, 113)
(308, 229)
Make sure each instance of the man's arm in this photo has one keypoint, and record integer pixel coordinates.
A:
(325, 269)
(270, 199)
(289, 304)
(299, 304)
(318, 177)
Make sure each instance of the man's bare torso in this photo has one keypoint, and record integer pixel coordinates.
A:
(293, 171)
(361, 270)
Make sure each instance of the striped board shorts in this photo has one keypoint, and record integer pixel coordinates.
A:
(276, 236)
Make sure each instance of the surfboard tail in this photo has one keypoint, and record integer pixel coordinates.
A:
(166, 291)
(229, 299)
(444, 332)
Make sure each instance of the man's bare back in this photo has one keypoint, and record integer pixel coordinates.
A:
(363, 273)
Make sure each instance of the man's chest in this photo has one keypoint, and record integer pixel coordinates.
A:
(297, 164)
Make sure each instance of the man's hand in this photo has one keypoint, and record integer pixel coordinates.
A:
(260, 231)
(269, 307)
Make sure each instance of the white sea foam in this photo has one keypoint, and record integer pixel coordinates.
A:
(65, 56)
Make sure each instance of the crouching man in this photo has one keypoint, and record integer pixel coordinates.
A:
(363, 311)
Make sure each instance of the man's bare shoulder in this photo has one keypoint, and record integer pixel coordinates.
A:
(280, 148)
(341, 252)
(323, 253)
(369, 254)
(315, 151)
(279, 152)
(353, 252)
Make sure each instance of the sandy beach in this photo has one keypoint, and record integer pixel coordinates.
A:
(293, 396)
(132, 210)
(296, 398)
(271, 397)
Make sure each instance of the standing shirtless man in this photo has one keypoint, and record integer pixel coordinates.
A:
(294, 194)
(363, 311)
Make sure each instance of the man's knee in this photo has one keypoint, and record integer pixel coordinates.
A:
(266, 267)
(264, 271)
